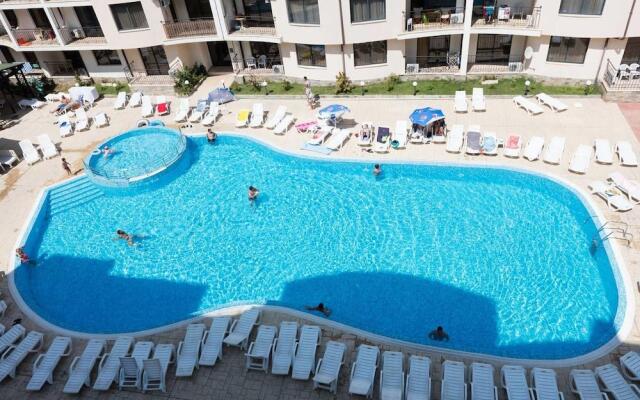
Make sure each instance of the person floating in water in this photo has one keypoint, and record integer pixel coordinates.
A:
(24, 258)
(439, 334)
(253, 194)
(321, 308)
(125, 236)
(211, 136)
(377, 170)
(106, 151)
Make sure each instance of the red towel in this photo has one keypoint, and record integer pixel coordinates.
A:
(162, 108)
(512, 142)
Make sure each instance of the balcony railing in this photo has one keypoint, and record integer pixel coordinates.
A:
(624, 77)
(253, 25)
(445, 64)
(261, 65)
(190, 27)
(35, 37)
(82, 35)
(492, 63)
(504, 16)
(437, 18)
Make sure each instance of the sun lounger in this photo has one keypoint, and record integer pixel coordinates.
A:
(121, 101)
(135, 100)
(365, 137)
(514, 381)
(477, 100)
(189, 350)
(305, 127)
(416, 134)
(338, 139)
(613, 383)
(241, 328)
(382, 143)
(490, 144)
(628, 187)
(198, 113)
(615, 200)
(455, 139)
(155, 370)
(305, 359)
(82, 120)
(453, 385)
(482, 383)
(131, 367)
(328, 368)
(392, 376)
(81, 367)
(603, 151)
(284, 348)
(278, 116)
(110, 363)
(242, 118)
(553, 103)
(257, 357)
(183, 111)
(461, 101)
(101, 120)
(583, 383)
(46, 363)
(33, 103)
(534, 148)
(418, 386)
(474, 138)
(581, 159)
(257, 115)
(212, 341)
(49, 150)
(512, 146)
(162, 105)
(554, 150)
(3, 309)
(29, 152)
(212, 114)
(11, 336)
(439, 137)
(626, 154)
(65, 126)
(400, 135)
(545, 384)
(147, 109)
(15, 354)
(530, 107)
(284, 125)
(320, 136)
(363, 371)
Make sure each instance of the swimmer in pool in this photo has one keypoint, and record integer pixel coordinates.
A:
(125, 236)
(106, 151)
(321, 308)
(439, 334)
(253, 194)
(24, 258)
(377, 170)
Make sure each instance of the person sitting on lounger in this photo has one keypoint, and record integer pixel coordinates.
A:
(211, 136)
(439, 334)
(253, 194)
(377, 170)
(64, 102)
(125, 236)
(321, 308)
(24, 258)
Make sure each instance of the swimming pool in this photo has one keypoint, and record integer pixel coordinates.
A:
(500, 258)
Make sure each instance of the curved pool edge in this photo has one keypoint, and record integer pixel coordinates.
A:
(613, 251)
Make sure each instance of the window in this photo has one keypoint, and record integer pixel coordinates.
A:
(129, 16)
(367, 10)
(304, 12)
(567, 50)
(370, 53)
(632, 51)
(311, 55)
(12, 18)
(584, 7)
(107, 57)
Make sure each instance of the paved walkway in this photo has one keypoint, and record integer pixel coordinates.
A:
(631, 112)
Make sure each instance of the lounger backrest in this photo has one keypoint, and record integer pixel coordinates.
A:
(192, 338)
(515, 381)
(141, 351)
(392, 368)
(153, 369)
(366, 361)
(129, 366)
(11, 336)
(546, 384)
(246, 322)
(164, 353)
(81, 114)
(309, 337)
(332, 359)
(57, 349)
(27, 344)
(461, 95)
(27, 148)
(478, 94)
(219, 327)
(585, 384)
(264, 340)
(287, 338)
(120, 348)
(614, 382)
(482, 383)
(418, 379)
(91, 352)
(453, 379)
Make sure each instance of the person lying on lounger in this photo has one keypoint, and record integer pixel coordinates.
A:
(320, 307)
(64, 102)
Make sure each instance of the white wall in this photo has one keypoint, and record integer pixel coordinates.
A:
(190, 54)
(151, 36)
(328, 32)
(328, 73)
(610, 24)
(102, 71)
(394, 64)
(538, 65)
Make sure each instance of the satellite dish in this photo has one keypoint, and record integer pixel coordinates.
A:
(164, 3)
(528, 53)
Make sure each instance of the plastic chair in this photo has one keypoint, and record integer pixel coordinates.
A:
(262, 61)
(251, 62)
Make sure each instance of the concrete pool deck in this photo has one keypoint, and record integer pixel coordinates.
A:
(20, 187)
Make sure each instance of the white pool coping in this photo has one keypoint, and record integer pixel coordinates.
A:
(613, 252)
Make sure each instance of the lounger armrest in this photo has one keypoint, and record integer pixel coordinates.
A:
(7, 352)
(635, 388)
(248, 353)
(274, 345)
(561, 395)
(464, 385)
(179, 352)
(318, 365)
(532, 395)
(72, 367)
(102, 361)
(233, 325)
(495, 392)
(204, 338)
(69, 350)
(295, 349)
(36, 363)
(604, 396)
(353, 370)
(39, 347)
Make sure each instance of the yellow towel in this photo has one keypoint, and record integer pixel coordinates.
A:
(243, 115)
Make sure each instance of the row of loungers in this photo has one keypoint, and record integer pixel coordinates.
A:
(279, 122)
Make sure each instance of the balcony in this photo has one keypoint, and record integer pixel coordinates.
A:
(506, 17)
(624, 77)
(424, 65)
(253, 26)
(189, 28)
(263, 66)
(492, 63)
(35, 37)
(84, 35)
(437, 18)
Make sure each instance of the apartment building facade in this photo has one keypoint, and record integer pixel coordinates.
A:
(584, 40)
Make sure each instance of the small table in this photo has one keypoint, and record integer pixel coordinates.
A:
(241, 19)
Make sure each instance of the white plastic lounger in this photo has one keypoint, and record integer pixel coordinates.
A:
(15, 355)
(581, 159)
(257, 357)
(305, 359)
(81, 367)
(455, 139)
(241, 328)
(534, 148)
(514, 381)
(131, 366)
(366, 135)
(553, 103)
(284, 348)
(418, 386)
(212, 114)
(338, 139)
(189, 350)
(630, 366)
(613, 383)
(392, 376)
(583, 383)
(198, 113)
(212, 341)
(275, 119)
(147, 109)
(46, 363)
(363, 371)
(453, 385)
(474, 140)
(155, 370)
(545, 384)
(110, 363)
(401, 134)
(527, 105)
(461, 101)
(284, 125)
(135, 100)
(49, 150)
(3, 309)
(82, 120)
(257, 116)
(320, 136)
(554, 150)
(490, 144)
(29, 152)
(183, 111)
(242, 118)
(628, 187)
(477, 100)
(615, 200)
(162, 105)
(121, 101)
(482, 384)
(603, 151)
(328, 368)
(626, 154)
(101, 120)
(383, 140)
(512, 146)
(65, 126)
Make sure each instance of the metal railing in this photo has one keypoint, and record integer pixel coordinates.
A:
(85, 34)
(624, 79)
(62, 68)
(492, 17)
(189, 27)
(253, 25)
(494, 62)
(40, 36)
(449, 63)
(419, 20)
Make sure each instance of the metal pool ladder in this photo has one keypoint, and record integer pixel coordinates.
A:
(613, 229)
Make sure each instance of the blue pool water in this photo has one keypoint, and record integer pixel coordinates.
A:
(499, 258)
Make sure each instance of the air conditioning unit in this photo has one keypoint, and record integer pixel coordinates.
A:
(412, 68)
(278, 69)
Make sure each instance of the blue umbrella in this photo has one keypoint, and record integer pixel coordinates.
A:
(334, 109)
(425, 116)
(221, 96)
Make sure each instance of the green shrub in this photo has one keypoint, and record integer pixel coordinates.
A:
(391, 82)
(286, 85)
(343, 83)
(188, 78)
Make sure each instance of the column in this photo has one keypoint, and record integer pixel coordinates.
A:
(219, 18)
(55, 26)
(5, 23)
(466, 38)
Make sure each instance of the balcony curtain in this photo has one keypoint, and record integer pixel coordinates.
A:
(367, 10)
(129, 16)
(567, 49)
(584, 7)
(304, 12)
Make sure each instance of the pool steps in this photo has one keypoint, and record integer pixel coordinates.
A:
(76, 193)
